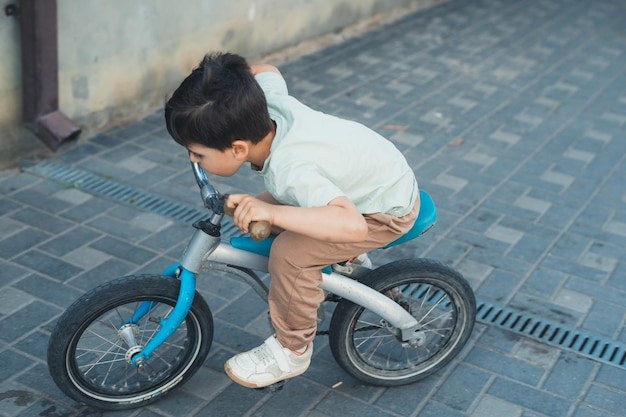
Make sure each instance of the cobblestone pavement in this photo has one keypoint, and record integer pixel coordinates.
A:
(512, 114)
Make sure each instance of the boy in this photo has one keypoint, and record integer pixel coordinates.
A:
(335, 188)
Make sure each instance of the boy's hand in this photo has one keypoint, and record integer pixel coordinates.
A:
(249, 209)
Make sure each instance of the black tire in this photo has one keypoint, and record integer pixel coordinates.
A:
(86, 356)
(437, 296)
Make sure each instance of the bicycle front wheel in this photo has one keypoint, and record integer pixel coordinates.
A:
(370, 349)
(89, 354)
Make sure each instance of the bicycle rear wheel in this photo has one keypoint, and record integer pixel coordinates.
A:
(370, 349)
(89, 360)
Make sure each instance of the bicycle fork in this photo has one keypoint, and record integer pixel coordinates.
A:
(202, 245)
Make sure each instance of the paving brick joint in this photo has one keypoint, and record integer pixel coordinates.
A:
(512, 115)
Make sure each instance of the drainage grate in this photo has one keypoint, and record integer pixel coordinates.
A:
(554, 334)
(121, 193)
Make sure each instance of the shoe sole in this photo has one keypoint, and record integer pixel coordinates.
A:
(249, 384)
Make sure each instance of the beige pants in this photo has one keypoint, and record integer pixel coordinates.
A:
(295, 267)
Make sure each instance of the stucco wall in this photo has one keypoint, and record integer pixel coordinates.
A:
(119, 58)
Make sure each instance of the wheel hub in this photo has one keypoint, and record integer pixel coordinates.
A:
(130, 353)
(129, 333)
(419, 339)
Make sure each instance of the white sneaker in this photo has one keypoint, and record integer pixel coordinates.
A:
(356, 268)
(267, 364)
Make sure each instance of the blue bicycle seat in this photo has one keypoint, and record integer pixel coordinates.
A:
(425, 220)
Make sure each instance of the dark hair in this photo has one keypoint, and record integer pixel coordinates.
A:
(219, 102)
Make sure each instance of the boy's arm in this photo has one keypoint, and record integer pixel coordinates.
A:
(339, 221)
(268, 198)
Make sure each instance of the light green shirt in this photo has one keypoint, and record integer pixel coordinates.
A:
(315, 158)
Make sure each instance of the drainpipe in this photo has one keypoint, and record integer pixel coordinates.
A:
(40, 68)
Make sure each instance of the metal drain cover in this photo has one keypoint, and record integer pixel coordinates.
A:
(554, 334)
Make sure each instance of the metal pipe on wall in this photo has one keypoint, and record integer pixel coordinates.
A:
(40, 83)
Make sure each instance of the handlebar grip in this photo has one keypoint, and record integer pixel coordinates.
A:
(258, 230)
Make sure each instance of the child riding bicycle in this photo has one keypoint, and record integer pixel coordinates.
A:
(334, 189)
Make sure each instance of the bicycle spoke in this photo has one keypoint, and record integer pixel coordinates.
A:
(103, 355)
(105, 339)
(381, 348)
(442, 315)
(98, 362)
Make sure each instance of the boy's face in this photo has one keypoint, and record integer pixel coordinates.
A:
(223, 163)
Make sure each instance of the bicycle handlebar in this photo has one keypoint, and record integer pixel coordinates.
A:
(215, 201)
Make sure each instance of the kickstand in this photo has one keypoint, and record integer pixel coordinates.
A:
(271, 389)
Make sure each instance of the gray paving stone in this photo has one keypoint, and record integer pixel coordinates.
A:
(12, 300)
(605, 399)
(181, 404)
(543, 283)
(123, 250)
(15, 399)
(7, 206)
(10, 273)
(437, 410)
(616, 279)
(119, 229)
(405, 400)
(13, 363)
(456, 393)
(146, 413)
(529, 398)
(41, 220)
(232, 402)
(335, 403)
(604, 319)
(530, 248)
(47, 265)
(293, 400)
(491, 406)
(15, 182)
(593, 290)
(68, 241)
(495, 363)
(29, 317)
(496, 260)
(102, 273)
(169, 237)
(35, 345)
(569, 376)
(88, 210)
(573, 300)
(35, 199)
(536, 354)
(498, 287)
(46, 289)
(552, 262)
(10, 227)
(586, 411)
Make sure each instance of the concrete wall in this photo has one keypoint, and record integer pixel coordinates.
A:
(118, 59)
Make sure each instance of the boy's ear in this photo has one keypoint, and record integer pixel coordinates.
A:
(240, 149)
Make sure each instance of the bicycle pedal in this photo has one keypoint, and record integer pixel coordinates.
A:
(270, 389)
